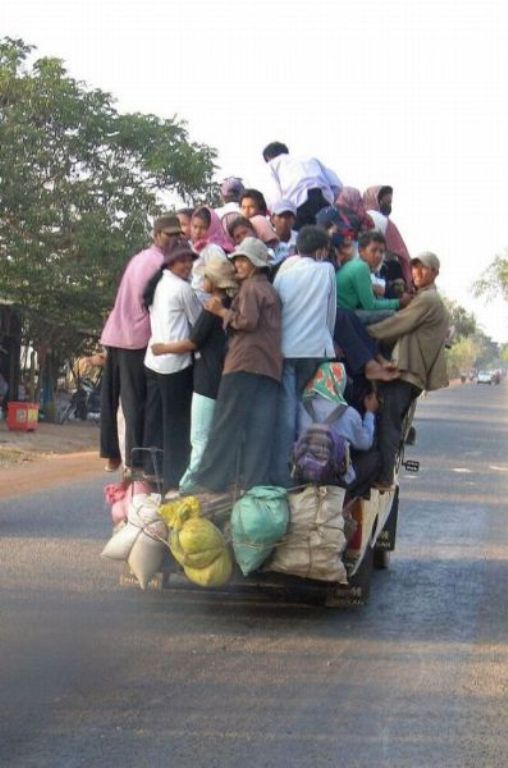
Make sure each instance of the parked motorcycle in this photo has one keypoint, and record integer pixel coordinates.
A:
(85, 402)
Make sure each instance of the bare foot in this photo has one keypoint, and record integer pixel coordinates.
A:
(374, 371)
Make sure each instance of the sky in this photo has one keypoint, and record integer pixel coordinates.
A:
(403, 92)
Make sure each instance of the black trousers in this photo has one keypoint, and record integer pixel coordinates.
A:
(167, 424)
(306, 213)
(358, 348)
(367, 465)
(123, 377)
(397, 397)
(239, 448)
(353, 339)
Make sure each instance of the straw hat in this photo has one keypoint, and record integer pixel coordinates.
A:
(220, 272)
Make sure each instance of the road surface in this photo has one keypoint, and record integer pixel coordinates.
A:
(93, 674)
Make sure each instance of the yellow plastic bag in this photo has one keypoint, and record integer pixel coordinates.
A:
(175, 513)
(197, 544)
(214, 575)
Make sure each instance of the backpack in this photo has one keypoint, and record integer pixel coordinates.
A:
(319, 455)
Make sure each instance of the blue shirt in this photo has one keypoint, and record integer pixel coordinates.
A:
(309, 304)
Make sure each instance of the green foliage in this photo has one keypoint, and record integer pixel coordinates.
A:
(462, 356)
(488, 351)
(78, 184)
(494, 280)
(463, 321)
(474, 351)
(471, 347)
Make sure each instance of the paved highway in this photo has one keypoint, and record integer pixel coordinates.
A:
(93, 674)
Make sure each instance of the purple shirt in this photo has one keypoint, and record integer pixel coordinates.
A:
(128, 325)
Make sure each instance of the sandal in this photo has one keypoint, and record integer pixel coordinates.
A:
(112, 465)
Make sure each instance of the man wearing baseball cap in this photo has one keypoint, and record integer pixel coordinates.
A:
(125, 338)
(283, 220)
(417, 336)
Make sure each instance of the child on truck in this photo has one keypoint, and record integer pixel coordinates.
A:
(324, 393)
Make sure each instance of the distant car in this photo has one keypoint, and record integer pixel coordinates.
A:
(484, 377)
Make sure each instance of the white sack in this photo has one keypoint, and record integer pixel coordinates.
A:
(315, 540)
(121, 543)
(146, 558)
(144, 508)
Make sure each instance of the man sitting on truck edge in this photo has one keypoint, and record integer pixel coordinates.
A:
(418, 334)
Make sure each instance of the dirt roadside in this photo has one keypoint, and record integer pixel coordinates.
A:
(52, 455)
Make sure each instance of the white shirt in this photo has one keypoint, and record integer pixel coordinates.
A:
(376, 280)
(174, 311)
(309, 303)
(291, 179)
(380, 221)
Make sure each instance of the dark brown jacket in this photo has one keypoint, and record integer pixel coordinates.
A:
(254, 325)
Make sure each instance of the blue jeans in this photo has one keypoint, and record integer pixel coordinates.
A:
(296, 373)
(202, 411)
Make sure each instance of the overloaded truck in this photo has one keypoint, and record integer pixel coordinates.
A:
(315, 543)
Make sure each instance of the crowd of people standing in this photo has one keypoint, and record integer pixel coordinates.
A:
(235, 316)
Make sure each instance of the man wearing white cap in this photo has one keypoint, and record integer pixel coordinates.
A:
(417, 335)
(283, 220)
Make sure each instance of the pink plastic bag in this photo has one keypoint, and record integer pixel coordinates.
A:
(118, 499)
(118, 495)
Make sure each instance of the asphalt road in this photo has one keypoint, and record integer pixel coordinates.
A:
(92, 674)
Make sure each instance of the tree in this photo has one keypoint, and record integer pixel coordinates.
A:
(463, 321)
(494, 280)
(488, 350)
(78, 183)
(462, 356)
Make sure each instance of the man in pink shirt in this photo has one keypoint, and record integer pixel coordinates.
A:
(125, 338)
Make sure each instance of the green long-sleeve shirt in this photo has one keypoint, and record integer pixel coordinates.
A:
(354, 288)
